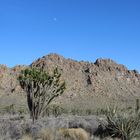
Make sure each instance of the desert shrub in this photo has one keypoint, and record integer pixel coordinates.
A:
(22, 110)
(72, 134)
(27, 137)
(107, 138)
(54, 110)
(13, 110)
(46, 134)
(76, 111)
(10, 109)
(110, 110)
(122, 126)
(41, 88)
(89, 112)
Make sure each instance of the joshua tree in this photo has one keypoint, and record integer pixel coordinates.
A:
(41, 88)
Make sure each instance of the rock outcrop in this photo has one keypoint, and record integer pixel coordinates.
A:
(104, 78)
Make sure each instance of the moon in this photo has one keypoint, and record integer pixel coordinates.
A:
(54, 19)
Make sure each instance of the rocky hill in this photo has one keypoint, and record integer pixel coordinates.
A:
(103, 79)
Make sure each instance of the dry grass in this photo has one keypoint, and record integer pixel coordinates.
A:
(26, 137)
(96, 138)
(60, 134)
(13, 126)
(46, 134)
(72, 134)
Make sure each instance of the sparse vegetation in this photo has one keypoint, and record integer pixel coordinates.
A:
(116, 126)
(13, 110)
(122, 127)
(71, 117)
(46, 134)
(26, 137)
(55, 110)
(121, 124)
(72, 134)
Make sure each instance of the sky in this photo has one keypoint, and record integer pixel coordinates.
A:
(77, 29)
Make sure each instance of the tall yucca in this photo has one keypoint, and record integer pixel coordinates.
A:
(41, 88)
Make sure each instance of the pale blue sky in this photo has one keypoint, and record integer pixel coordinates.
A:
(77, 29)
